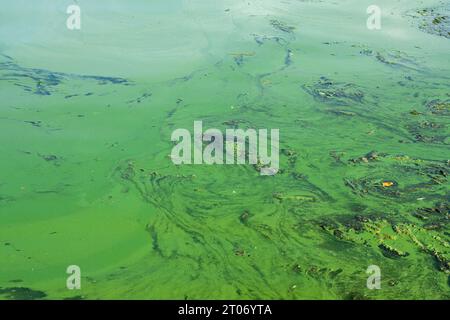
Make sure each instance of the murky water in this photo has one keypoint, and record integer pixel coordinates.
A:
(86, 118)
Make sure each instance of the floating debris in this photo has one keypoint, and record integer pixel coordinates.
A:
(76, 298)
(343, 113)
(416, 175)
(415, 113)
(439, 107)
(20, 293)
(391, 252)
(433, 20)
(239, 56)
(242, 54)
(141, 98)
(288, 58)
(293, 197)
(292, 157)
(325, 90)
(243, 218)
(369, 157)
(235, 123)
(51, 158)
(154, 235)
(281, 26)
(397, 59)
(239, 60)
(364, 186)
(428, 132)
(45, 80)
(260, 40)
(37, 123)
(434, 217)
(392, 239)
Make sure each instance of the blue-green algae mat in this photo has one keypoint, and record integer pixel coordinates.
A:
(86, 177)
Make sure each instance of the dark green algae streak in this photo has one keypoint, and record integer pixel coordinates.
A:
(87, 179)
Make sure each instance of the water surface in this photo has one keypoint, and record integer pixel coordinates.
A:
(86, 118)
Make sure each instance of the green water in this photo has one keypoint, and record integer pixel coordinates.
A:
(86, 178)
